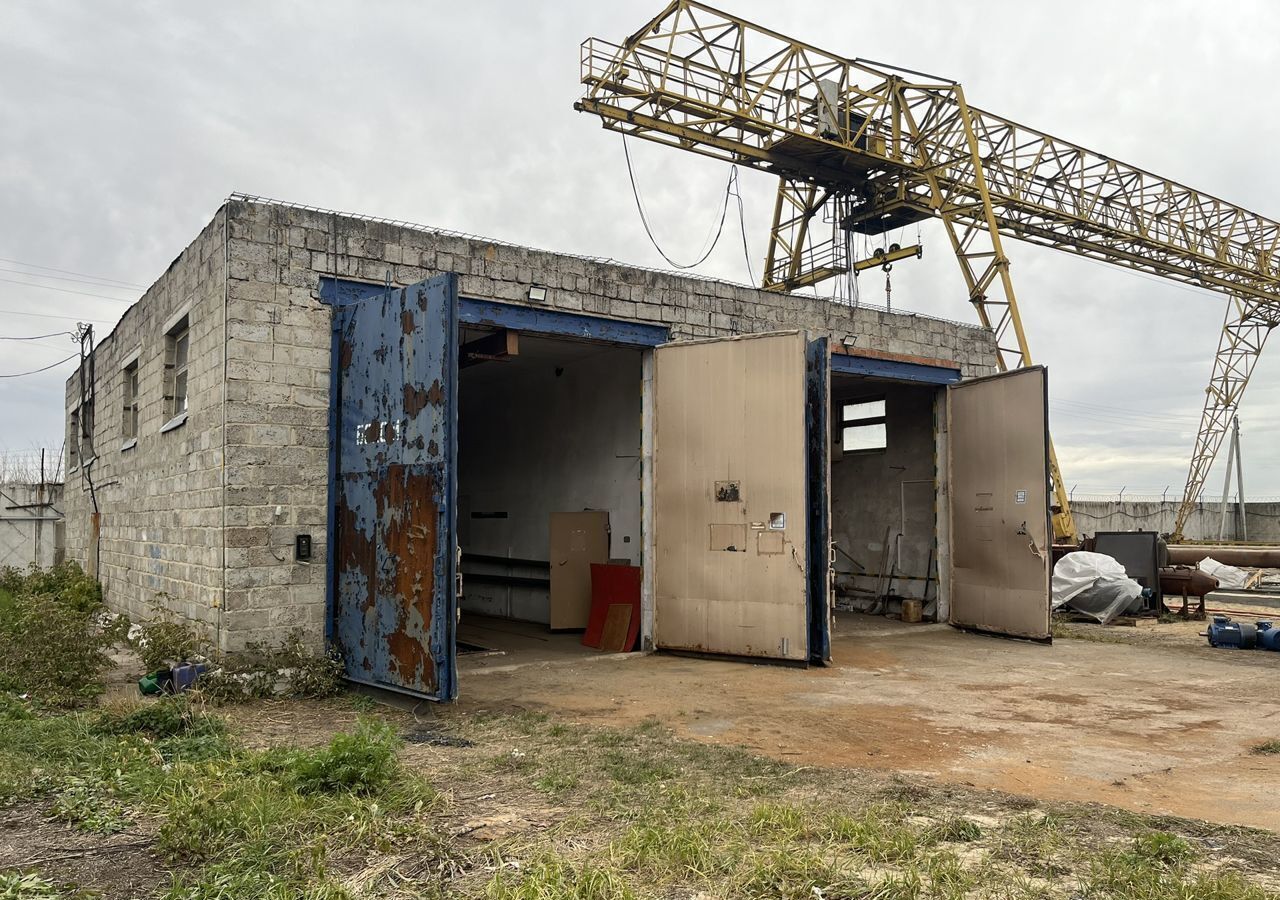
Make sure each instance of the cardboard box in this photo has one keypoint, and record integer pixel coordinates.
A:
(578, 539)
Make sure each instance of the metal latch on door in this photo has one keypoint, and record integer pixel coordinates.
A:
(1031, 541)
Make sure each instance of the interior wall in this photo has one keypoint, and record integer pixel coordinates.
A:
(556, 429)
(878, 495)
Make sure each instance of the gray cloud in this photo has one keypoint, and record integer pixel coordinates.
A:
(122, 127)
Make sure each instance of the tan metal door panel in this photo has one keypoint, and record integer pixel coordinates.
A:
(730, 496)
(999, 477)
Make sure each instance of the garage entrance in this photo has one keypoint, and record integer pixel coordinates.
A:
(939, 493)
(483, 452)
(549, 481)
(884, 493)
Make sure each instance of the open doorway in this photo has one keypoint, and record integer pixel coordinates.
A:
(884, 494)
(549, 474)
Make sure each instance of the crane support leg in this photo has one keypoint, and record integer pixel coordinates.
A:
(1244, 331)
(793, 211)
(945, 138)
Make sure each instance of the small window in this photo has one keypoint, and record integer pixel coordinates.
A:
(73, 441)
(863, 426)
(129, 424)
(177, 352)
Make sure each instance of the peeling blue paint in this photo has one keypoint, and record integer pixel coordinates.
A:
(818, 520)
(393, 608)
(898, 370)
(341, 292)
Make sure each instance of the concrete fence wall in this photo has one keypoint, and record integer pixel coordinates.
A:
(1262, 519)
(31, 524)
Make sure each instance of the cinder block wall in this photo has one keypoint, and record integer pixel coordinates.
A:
(161, 525)
(278, 364)
(160, 503)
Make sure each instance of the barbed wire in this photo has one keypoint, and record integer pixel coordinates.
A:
(24, 466)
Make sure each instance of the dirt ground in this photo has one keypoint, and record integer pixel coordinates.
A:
(1149, 718)
(119, 865)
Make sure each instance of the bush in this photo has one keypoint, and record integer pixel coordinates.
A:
(52, 643)
(66, 583)
(362, 761)
(52, 651)
(309, 675)
(262, 669)
(164, 639)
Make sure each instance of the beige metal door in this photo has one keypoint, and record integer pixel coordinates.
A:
(730, 496)
(998, 441)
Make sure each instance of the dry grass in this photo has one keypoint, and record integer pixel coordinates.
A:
(522, 807)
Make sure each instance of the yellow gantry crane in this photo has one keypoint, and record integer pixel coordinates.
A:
(861, 147)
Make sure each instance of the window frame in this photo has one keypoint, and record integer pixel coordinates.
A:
(130, 389)
(73, 439)
(177, 405)
(848, 421)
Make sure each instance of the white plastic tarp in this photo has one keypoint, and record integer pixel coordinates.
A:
(1094, 584)
(1229, 577)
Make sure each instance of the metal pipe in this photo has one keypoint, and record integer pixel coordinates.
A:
(896, 576)
(1260, 557)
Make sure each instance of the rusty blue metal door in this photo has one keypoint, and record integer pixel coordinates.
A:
(818, 473)
(395, 561)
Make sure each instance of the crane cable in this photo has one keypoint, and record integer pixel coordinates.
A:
(644, 219)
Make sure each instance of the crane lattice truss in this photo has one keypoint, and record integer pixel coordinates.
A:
(862, 147)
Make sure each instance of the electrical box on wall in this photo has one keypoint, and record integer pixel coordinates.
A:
(302, 547)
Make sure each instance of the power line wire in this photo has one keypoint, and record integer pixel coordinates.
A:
(1127, 420)
(1116, 423)
(18, 262)
(644, 219)
(36, 337)
(48, 287)
(19, 312)
(89, 281)
(1118, 409)
(45, 369)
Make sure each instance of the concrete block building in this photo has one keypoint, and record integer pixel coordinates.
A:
(329, 421)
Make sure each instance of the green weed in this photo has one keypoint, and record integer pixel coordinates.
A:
(363, 761)
(677, 850)
(1134, 874)
(796, 873)
(954, 830)
(91, 805)
(1163, 848)
(552, 877)
(879, 832)
(32, 886)
(1035, 839)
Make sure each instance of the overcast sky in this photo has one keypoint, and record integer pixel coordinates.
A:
(124, 126)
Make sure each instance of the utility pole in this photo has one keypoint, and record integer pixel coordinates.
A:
(1242, 530)
(1233, 460)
